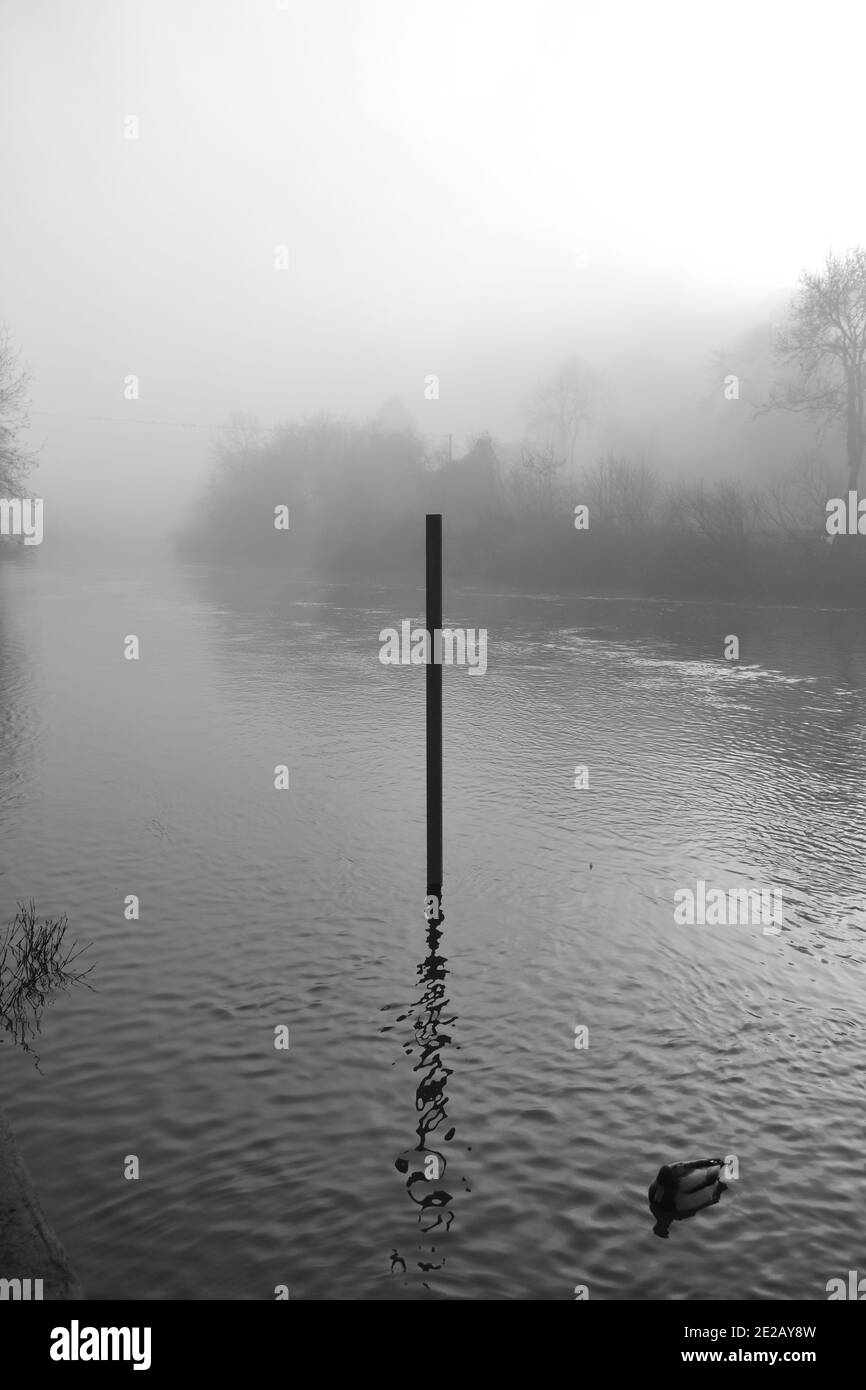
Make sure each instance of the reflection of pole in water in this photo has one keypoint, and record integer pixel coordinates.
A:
(425, 1165)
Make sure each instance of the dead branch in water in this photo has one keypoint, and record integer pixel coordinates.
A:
(36, 963)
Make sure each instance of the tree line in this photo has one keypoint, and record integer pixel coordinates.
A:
(357, 490)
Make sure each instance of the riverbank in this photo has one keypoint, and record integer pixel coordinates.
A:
(29, 1249)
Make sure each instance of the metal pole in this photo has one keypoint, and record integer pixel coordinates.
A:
(434, 708)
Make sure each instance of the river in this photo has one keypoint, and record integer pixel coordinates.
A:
(303, 1166)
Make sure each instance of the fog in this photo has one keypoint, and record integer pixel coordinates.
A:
(472, 191)
(522, 341)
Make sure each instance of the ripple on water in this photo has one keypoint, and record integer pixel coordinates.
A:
(260, 1167)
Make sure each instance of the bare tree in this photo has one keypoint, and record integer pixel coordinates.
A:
(565, 406)
(15, 460)
(795, 503)
(540, 481)
(240, 437)
(824, 341)
(726, 512)
(750, 360)
(622, 494)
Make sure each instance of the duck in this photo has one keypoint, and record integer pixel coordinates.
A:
(682, 1189)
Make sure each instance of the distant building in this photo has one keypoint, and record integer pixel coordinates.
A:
(468, 489)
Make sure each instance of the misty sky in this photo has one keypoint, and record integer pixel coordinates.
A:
(439, 173)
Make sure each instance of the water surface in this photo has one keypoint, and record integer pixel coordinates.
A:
(304, 908)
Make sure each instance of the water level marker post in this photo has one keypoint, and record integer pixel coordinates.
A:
(434, 714)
